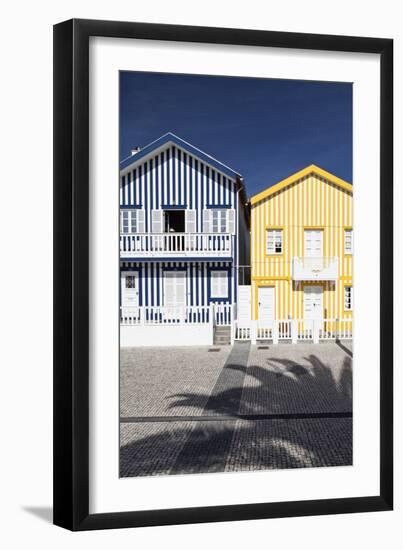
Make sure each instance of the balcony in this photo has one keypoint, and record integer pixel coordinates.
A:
(314, 269)
(176, 245)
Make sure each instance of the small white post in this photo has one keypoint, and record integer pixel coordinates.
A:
(275, 332)
(142, 316)
(253, 332)
(232, 321)
(211, 315)
(211, 322)
(294, 331)
(316, 325)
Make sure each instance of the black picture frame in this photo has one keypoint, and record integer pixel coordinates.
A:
(71, 274)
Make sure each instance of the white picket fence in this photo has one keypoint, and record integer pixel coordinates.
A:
(221, 314)
(295, 330)
(216, 313)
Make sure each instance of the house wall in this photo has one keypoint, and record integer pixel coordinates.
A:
(198, 289)
(175, 177)
(311, 202)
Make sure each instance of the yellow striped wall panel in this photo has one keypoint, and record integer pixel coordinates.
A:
(310, 199)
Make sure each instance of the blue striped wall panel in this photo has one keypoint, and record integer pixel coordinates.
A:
(174, 177)
(197, 280)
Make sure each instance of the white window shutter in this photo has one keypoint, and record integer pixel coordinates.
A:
(231, 221)
(156, 221)
(206, 221)
(141, 220)
(215, 285)
(190, 221)
(219, 284)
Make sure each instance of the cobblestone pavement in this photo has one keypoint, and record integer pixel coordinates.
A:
(297, 379)
(188, 410)
(156, 381)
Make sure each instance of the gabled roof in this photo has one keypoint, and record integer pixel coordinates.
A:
(311, 169)
(175, 140)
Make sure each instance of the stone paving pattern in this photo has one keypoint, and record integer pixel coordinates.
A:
(291, 443)
(298, 379)
(191, 382)
(156, 381)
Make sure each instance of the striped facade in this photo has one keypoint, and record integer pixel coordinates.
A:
(175, 178)
(315, 200)
(170, 175)
(197, 280)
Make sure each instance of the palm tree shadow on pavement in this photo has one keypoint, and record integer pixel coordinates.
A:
(277, 415)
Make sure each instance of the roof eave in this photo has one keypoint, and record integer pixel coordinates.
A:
(170, 138)
(298, 175)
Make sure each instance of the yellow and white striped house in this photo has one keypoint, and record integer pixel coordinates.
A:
(302, 249)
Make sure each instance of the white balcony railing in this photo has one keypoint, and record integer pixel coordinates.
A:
(314, 269)
(141, 245)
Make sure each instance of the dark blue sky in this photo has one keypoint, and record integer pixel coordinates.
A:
(264, 129)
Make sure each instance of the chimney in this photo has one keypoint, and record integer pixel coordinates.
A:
(135, 150)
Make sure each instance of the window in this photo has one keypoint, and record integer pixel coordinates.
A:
(219, 221)
(219, 284)
(348, 241)
(132, 221)
(130, 281)
(274, 241)
(348, 298)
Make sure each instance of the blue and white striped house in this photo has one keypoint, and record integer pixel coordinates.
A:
(184, 239)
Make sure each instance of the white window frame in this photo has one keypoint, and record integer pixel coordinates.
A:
(348, 297)
(271, 240)
(134, 221)
(348, 231)
(223, 288)
(222, 220)
(130, 276)
(225, 220)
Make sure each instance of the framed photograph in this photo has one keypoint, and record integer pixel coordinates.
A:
(223, 317)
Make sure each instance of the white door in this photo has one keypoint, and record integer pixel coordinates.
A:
(313, 243)
(175, 294)
(130, 289)
(266, 306)
(313, 304)
(243, 304)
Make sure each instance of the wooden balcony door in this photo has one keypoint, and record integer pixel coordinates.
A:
(313, 243)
